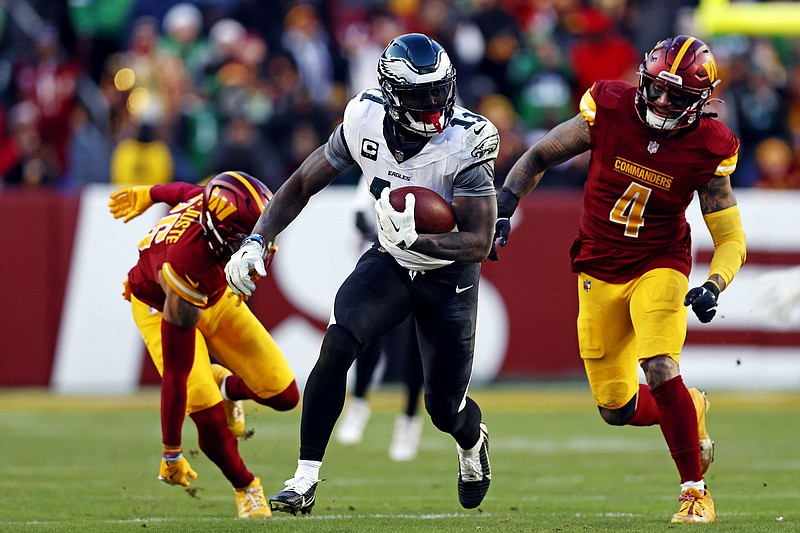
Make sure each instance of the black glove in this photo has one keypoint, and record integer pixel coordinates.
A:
(502, 229)
(703, 300)
(507, 203)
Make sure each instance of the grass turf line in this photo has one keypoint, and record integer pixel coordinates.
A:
(89, 464)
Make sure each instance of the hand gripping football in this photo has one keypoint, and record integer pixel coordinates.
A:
(432, 213)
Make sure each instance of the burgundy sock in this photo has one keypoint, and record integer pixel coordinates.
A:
(237, 389)
(178, 344)
(219, 444)
(646, 409)
(678, 420)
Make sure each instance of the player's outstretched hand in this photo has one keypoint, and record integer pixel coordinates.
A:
(130, 202)
(175, 469)
(398, 228)
(249, 257)
(703, 300)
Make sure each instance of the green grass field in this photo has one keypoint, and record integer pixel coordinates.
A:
(76, 464)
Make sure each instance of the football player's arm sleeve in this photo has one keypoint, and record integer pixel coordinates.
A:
(730, 252)
(477, 180)
(336, 151)
(174, 193)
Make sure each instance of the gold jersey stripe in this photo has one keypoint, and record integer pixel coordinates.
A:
(588, 106)
(727, 166)
(183, 287)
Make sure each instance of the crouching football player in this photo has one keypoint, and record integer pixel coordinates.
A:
(184, 310)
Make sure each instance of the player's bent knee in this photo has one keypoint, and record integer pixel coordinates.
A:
(202, 395)
(659, 369)
(339, 349)
(284, 401)
(442, 417)
(618, 417)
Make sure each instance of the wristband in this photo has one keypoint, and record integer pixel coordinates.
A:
(254, 237)
(507, 203)
(172, 457)
(712, 287)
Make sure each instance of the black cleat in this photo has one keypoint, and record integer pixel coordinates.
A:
(474, 472)
(290, 500)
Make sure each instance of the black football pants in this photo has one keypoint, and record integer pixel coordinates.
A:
(377, 296)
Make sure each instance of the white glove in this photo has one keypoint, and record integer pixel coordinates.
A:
(398, 228)
(249, 257)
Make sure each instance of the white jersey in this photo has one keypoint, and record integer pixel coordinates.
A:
(456, 162)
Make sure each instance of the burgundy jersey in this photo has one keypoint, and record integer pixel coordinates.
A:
(639, 186)
(177, 247)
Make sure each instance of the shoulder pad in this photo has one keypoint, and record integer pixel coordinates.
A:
(720, 140)
(371, 95)
(361, 107)
(610, 94)
(481, 139)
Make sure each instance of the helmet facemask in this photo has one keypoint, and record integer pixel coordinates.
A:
(223, 245)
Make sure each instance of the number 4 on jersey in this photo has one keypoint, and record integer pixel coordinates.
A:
(629, 209)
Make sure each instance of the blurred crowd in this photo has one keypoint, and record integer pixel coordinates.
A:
(150, 91)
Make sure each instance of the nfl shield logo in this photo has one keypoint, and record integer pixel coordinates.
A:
(652, 147)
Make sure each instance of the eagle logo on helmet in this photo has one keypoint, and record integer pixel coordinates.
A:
(232, 203)
(676, 80)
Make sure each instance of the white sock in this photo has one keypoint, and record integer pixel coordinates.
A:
(308, 469)
(222, 388)
(475, 450)
(359, 402)
(699, 485)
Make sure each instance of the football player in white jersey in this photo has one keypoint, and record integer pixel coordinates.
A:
(409, 131)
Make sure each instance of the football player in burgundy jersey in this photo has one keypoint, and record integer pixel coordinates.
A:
(407, 132)
(184, 310)
(652, 147)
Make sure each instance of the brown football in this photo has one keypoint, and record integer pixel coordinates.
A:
(432, 213)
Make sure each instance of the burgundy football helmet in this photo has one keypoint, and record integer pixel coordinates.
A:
(232, 203)
(676, 79)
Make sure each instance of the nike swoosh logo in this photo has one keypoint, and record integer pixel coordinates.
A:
(459, 290)
(479, 130)
(194, 284)
(393, 225)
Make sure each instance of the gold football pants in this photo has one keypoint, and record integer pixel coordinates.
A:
(621, 325)
(238, 341)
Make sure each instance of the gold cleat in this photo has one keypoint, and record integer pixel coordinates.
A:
(702, 405)
(234, 409)
(696, 508)
(250, 501)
